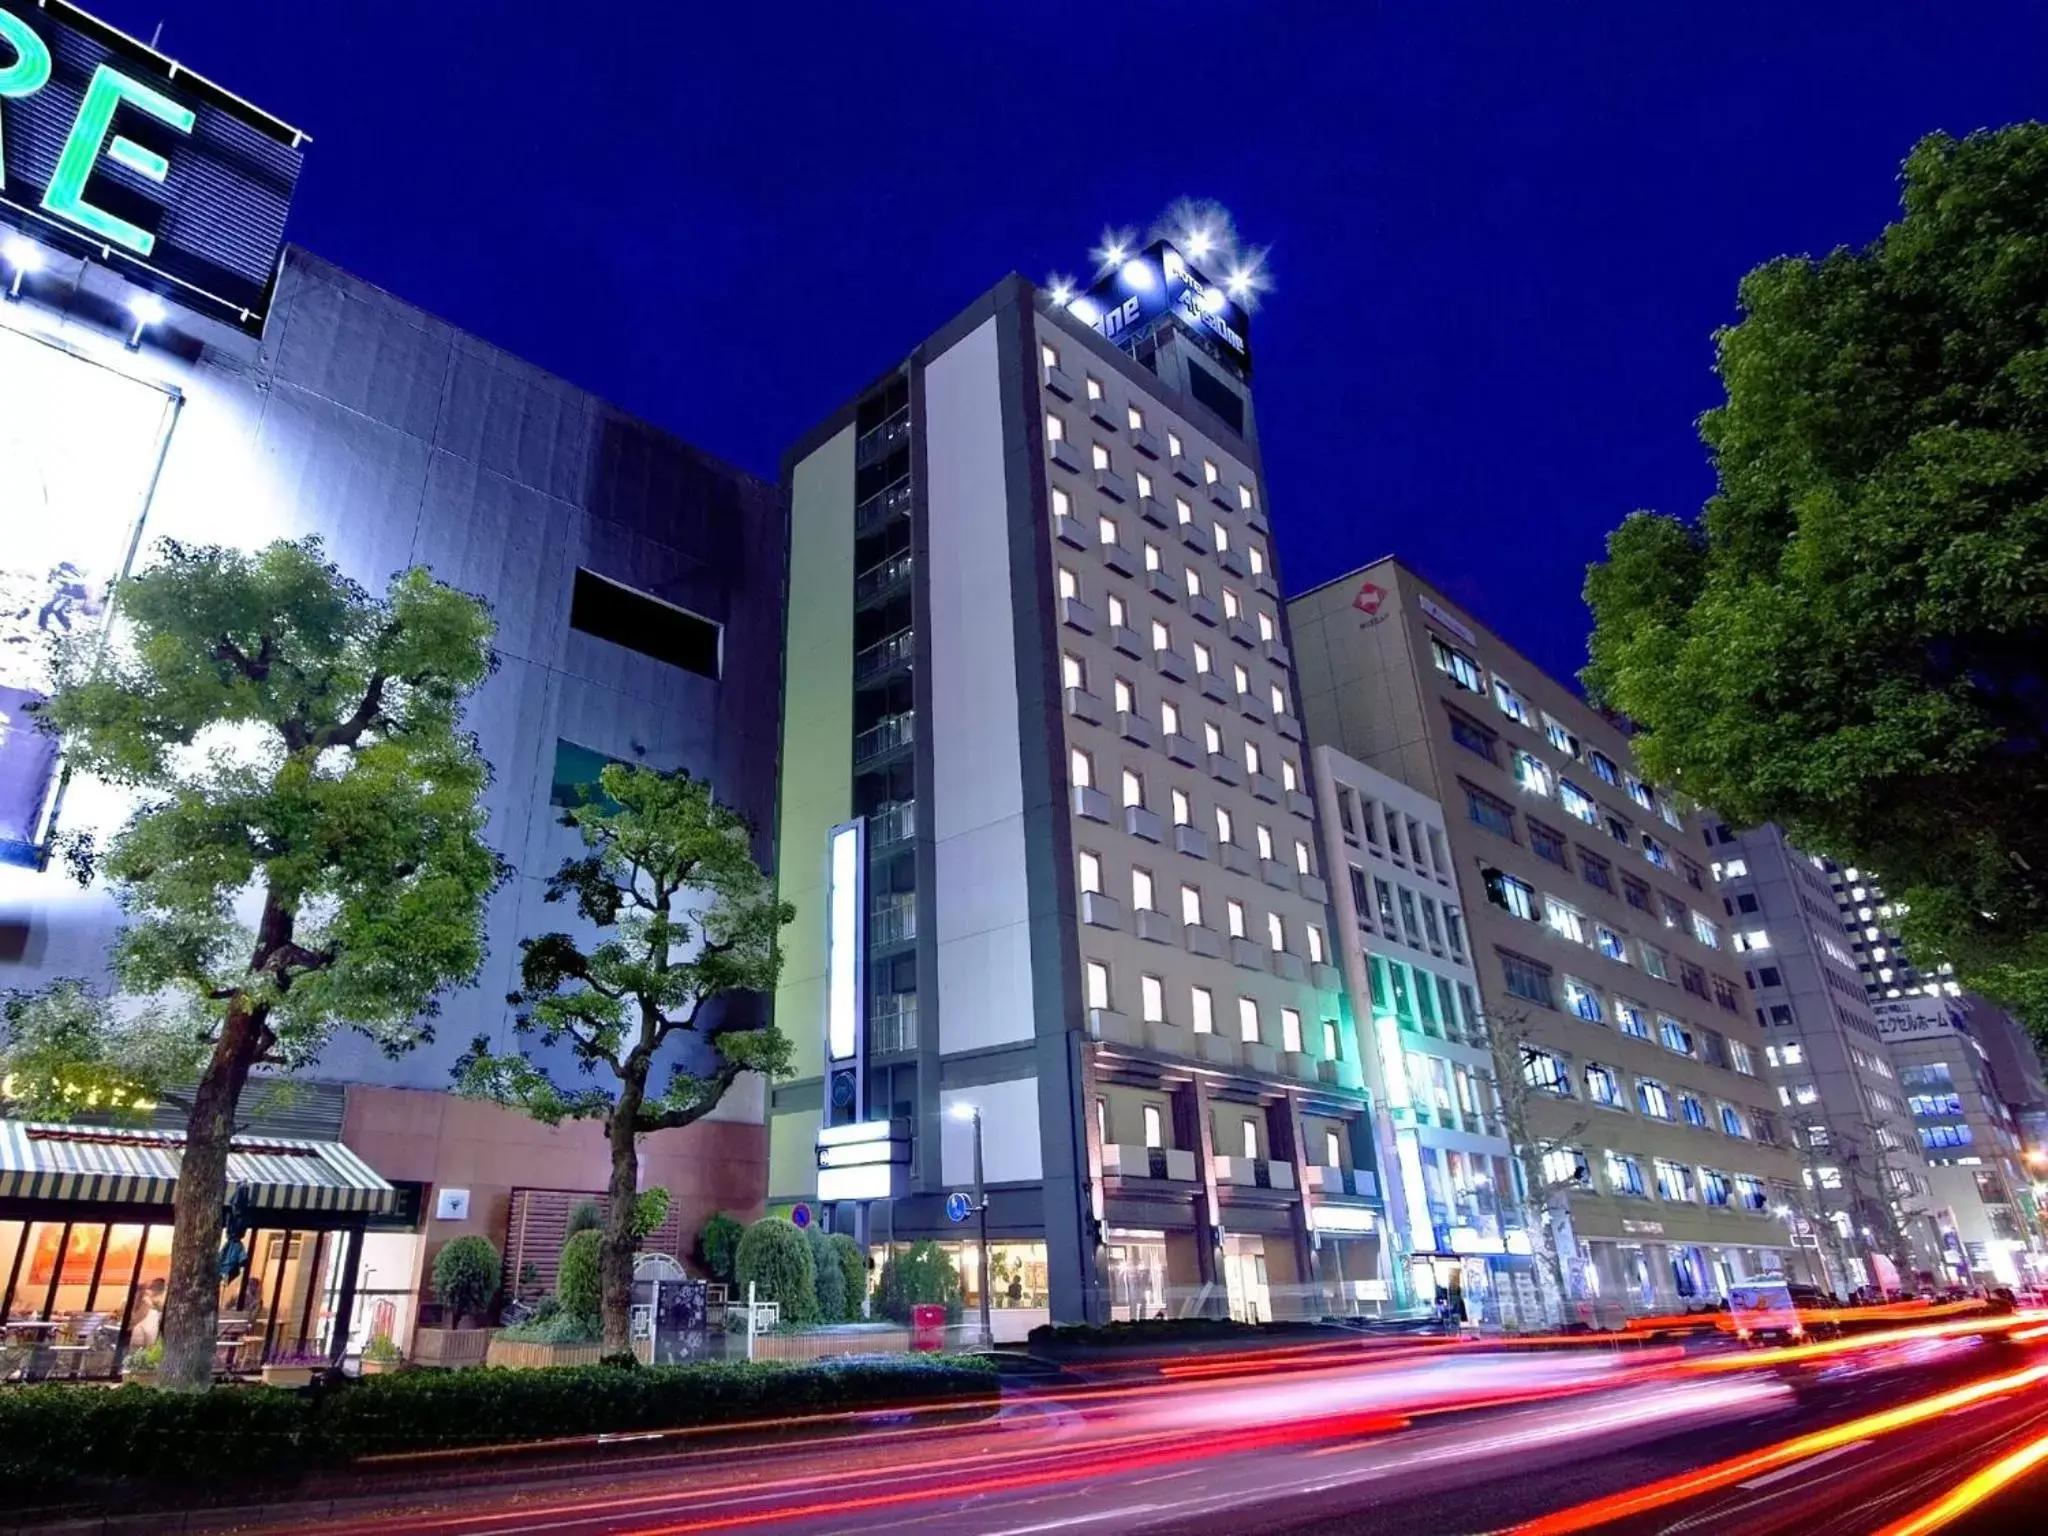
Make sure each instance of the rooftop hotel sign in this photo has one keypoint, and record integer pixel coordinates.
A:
(112, 150)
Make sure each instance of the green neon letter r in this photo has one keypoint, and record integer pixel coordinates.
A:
(29, 72)
(66, 195)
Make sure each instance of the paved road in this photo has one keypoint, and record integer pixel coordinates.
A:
(1404, 1439)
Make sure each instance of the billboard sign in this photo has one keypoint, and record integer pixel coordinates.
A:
(115, 152)
(1158, 282)
(1916, 1018)
(79, 448)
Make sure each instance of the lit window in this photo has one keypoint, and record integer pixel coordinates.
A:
(1134, 788)
(1182, 511)
(1154, 1127)
(1144, 486)
(1094, 386)
(1225, 828)
(1119, 615)
(1290, 1029)
(1244, 498)
(1251, 1131)
(1233, 911)
(1141, 890)
(1290, 776)
(1152, 998)
(1126, 701)
(1183, 809)
(1070, 584)
(1173, 444)
(1232, 608)
(1062, 503)
(1151, 556)
(1055, 429)
(1081, 769)
(1072, 673)
(1162, 637)
(1048, 355)
(1248, 1029)
(1099, 454)
(1333, 1148)
(1169, 717)
(1191, 906)
(1209, 475)
(1091, 873)
(1098, 984)
(1301, 864)
(1192, 579)
(1202, 1011)
(1253, 763)
(1242, 678)
(1266, 630)
(1257, 557)
(1106, 530)
(1315, 945)
(1203, 661)
(1135, 418)
(1265, 842)
(1212, 739)
(1221, 535)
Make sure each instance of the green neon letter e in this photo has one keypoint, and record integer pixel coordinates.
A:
(66, 195)
(29, 72)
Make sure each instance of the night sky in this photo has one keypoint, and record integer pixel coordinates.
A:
(1501, 232)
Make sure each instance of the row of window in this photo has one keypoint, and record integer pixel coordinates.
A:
(1465, 673)
(1518, 898)
(1535, 982)
(1498, 816)
(1199, 1016)
(1195, 910)
(1152, 1127)
(1096, 394)
(1135, 790)
(1423, 923)
(1603, 1085)
(1075, 674)
(1395, 833)
(1676, 1182)
(1424, 1001)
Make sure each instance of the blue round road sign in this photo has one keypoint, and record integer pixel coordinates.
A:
(800, 1215)
(958, 1206)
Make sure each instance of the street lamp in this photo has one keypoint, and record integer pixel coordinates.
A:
(973, 1112)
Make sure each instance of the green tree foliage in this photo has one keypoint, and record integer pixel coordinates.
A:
(292, 743)
(774, 1257)
(650, 1210)
(466, 1275)
(829, 1278)
(66, 1048)
(852, 1260)
(584, 1216)
(580, 1281)
(718, 1244)
(922, 1275)
(682, 917)
(1853, 640)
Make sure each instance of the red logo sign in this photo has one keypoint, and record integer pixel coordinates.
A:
(1369, 598)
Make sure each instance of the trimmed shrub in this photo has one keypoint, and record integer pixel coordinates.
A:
(718, 1245)
(466, 1276)
(559, 1327)
(584, 1216)
(775, 1258)
(139, 1444)
(853, 1268)
(829, 1278)
(922, 1276)
(580, 1281)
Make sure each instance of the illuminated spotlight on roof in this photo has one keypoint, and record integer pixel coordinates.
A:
(1137, 274)
(145, 309)
(1213, 299)
(1199, 243)
(1239, 283)
(1085, 310)
(25, 256)
(1061, 288)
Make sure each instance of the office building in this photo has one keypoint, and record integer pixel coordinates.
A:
(1835, 1078)
(1047, 822)
(1453, 1201)
(171, 370)
(1596, 936)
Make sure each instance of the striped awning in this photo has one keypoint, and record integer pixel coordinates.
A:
(140, 1167)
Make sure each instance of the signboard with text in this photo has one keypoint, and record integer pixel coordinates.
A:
(1157, 282)
(113, 151)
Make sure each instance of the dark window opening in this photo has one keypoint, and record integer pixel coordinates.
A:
(1217, 396)
(575, 778)
(609, 611)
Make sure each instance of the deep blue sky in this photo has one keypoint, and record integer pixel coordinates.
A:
(1502, 232)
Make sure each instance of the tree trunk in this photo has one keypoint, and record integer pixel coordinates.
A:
(192, 1295)
(616, 1259)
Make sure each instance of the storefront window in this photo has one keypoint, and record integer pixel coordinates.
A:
(1137, 1274)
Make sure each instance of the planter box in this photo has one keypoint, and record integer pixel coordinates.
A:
(451, 1348)
(382, 1367)
(515, 1355)
(288, 1375)
(826, 1344)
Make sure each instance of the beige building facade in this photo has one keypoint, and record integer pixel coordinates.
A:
(1596, 936)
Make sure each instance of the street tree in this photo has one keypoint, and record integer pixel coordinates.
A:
(305, 852)
(1521, 1086)
(1852, 641)
(680, 925)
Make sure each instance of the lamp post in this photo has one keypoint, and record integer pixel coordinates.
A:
(973, 1112)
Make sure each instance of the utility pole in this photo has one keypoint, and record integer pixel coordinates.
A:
(988, 1336)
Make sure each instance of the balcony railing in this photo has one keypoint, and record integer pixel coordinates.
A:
(892, 1024)
(884, 578)
(893, 824)
(885, 656)
(877, 442)
(887, 735)
(893, 920)
(880, 509)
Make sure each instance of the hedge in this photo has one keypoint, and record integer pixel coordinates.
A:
(1160, 1330)
(65, 1442)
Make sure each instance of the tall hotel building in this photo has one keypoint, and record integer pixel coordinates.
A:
(1047, 822)
(1595, 932)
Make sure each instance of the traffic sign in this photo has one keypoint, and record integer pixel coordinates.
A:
(800, 1215)
(958, 1206)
